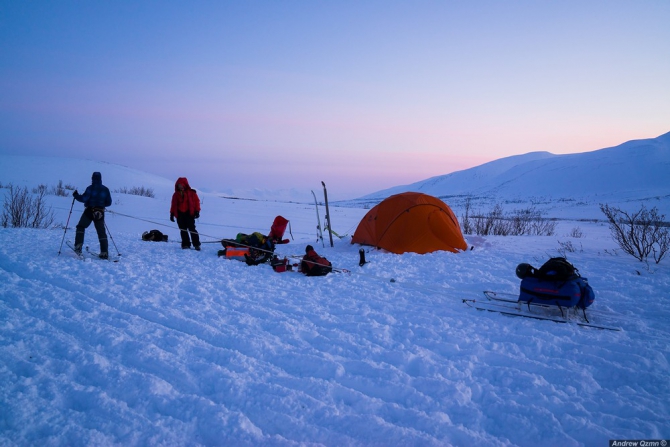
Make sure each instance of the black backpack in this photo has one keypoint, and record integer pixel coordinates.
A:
(154, 235)
(557, 269)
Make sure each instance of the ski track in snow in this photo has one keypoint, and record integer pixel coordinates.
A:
(174, 347)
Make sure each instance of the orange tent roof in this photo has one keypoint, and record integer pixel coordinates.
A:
(411, 222)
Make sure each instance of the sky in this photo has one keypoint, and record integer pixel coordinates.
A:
(361, 95)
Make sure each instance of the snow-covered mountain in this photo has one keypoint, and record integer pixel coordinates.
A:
(635, 171)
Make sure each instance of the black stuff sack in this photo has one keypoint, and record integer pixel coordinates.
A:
(155, 236)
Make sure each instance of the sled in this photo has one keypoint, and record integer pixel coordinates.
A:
(511, 305)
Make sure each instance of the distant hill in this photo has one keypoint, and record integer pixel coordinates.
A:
(32, 171)
(26, 170)
(635, 171)
(564, 186)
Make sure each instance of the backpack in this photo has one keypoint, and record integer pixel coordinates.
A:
(155, 236)
(277, 230)
(557, 269)
(318, 266)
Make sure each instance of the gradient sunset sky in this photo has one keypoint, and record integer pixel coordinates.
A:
(364, 95)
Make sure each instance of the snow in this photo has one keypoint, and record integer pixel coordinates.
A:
(176, 347)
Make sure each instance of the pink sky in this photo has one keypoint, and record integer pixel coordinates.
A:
(365, 96)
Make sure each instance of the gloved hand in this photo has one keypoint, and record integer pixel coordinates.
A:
(197, 214)
(75, 194)
(171, 217)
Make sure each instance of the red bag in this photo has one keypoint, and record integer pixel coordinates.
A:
(277, 230)
(280, 265)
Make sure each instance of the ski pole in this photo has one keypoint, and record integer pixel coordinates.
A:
(66, 224)
(325, 198)
(110, 236)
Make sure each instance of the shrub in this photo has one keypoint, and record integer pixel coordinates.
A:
(22, 210)
(466, 223)
(62, 190)
(137, 191)
(527, 221)
(640, 233)
(576, 232)
(567, 247)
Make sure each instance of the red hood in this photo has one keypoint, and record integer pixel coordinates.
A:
(182, 181)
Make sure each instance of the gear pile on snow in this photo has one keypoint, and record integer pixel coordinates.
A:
(556, 283)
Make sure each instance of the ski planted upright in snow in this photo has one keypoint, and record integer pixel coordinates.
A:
(325, 197)
(319, 231)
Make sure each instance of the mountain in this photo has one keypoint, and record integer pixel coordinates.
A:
(635, 171)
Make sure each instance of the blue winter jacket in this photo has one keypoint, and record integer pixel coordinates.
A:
(96, 195)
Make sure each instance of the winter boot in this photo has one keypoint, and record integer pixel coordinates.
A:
(103, 255)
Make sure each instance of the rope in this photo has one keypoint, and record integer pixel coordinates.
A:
(297, 257)
(218, 239)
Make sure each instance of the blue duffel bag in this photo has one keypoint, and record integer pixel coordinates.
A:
(556, 283)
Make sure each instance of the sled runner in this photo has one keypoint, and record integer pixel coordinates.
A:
(509, 304)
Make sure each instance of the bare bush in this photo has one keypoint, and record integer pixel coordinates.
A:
(567, 247)
(22, 210)
(641, 233)
(137, 191)
(576, 232)
(62, 190)
(40, 189)
(496, 222)
(466, 223)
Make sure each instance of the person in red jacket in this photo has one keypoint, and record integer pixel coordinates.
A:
(314, 265)
(186, 208)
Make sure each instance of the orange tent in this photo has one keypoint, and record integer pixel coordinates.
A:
(411, 222)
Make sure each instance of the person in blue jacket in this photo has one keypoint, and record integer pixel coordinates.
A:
(96, 198)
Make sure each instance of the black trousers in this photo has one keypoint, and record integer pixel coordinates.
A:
(187, 231)
(84, 223)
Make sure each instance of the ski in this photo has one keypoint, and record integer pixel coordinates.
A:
(325, 197)
(319, 232)
(504, 306)
(78, 254)
(97, 256)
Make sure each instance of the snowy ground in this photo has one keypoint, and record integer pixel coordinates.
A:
(174, 347)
